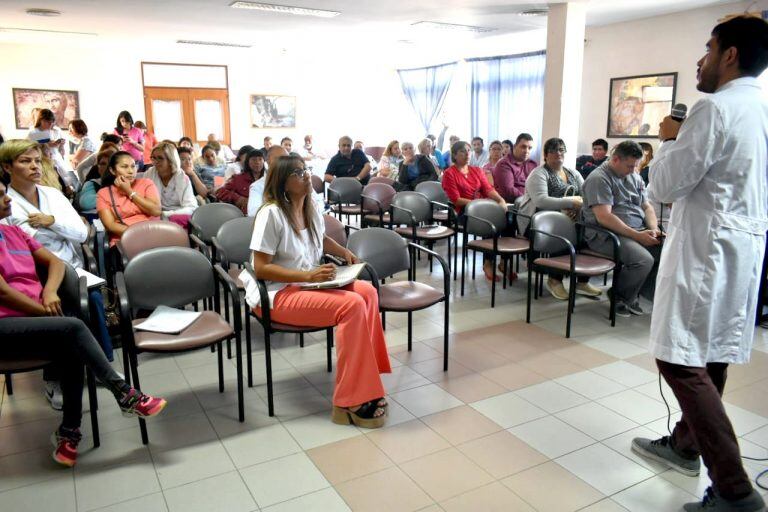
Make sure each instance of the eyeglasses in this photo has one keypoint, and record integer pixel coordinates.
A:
(300, 173)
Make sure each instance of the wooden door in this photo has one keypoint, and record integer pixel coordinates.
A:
(173, 112)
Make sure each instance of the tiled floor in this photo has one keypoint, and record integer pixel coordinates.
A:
(523, 420)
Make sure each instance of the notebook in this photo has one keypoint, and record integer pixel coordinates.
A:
(91, 280)
(167, 320)
(344, 276)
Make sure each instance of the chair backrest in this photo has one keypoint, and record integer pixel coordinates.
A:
(234, 239)
(318, 185)
(345, 190)
(334, 229)
(382, 179)
(150, 235)
(489, 210)
(433, 190)
(382, 192)
(416, 202)
(383, 249)
(170, 276)
(375, 152)
(554, 223)
(208, 218)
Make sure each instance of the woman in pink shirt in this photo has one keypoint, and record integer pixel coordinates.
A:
(463, 183)
(132, 137)
(123, 199)
(494, 155)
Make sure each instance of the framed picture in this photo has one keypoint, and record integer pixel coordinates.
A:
(64, 104)
(273, 111)
(637, 104)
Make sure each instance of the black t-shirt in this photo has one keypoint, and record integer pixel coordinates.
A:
(348, 167)
(586, 165)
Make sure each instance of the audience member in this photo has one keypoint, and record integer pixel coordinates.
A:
(50, 177)
(510, 173)
(86, 196)
(267, 144)
(209, 167)
(453, 139)
(186, 160)
(150, 141)
(435, 154)
(348, 163)
(177, 195)
(186, 142)
(132, 138)
(224, 151)
(555, 187)
(123, 199)
(494, 155)
(84, 167)
(33, 326)
(463, 183)
(46, 132)
(238, 165)
(616, 199)
(78, 130)
(372, 161)
(479, 155)
(256, 190)
(237, 189)
(586, 164)
(506, 147)
(287, 144)
(389, 165)
(645, 163)
(288, 242)
(427, 151)
(415, 168)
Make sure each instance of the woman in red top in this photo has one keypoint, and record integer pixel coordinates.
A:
(237, 188)
(463, 183)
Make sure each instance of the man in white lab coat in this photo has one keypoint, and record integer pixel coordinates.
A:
(714, 169)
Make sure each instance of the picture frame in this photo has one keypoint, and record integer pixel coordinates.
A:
(637, 104)
(64, 104)
(273, 111)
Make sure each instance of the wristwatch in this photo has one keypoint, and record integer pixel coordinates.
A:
(132, 195)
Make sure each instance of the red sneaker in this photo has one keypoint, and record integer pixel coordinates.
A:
(66, 441)
(136, 403)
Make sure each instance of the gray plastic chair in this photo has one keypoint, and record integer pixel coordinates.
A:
(376, 199)
(554, 233)
(443, 212)
(387, 254)
(486, 219)
(175, 277)
(206, 221)
(344, 197)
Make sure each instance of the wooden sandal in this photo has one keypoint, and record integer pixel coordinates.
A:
(362, 417)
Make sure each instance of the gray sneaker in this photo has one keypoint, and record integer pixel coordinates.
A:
(713, 502)
(634, 308)
(622, 310)
(661, 450)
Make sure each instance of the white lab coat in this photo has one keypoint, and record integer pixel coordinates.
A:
(716, 176)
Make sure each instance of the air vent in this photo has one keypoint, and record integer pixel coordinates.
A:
(285, 9)
(534, 12)
(43, 12)
(434, 25)
(213, 43)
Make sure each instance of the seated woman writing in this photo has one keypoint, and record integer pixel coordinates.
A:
(33, 326)
(288, 242)
(123, 199)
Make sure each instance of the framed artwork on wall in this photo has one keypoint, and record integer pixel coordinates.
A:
(273, 111)
(64, 104)
(637, 104)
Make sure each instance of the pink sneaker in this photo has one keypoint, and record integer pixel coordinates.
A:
(136, 403)
(66, 442)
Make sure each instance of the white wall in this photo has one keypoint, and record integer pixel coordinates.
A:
(670, 43)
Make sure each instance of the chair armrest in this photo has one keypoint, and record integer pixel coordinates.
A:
(89, 259)
(441, 260)
(614, 239)
(227, 280)
(334, 259)
(221, 254)
(201, 246)
(373, 275)
(571, 248)
(483, 221)
(363, 196)
(266, 308)
(126, 317)
(120, 256)
(393, 207)
(84, 312)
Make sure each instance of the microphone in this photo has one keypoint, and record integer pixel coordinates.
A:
(679, 111)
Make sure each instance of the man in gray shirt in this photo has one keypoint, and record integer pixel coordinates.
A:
(615, 199)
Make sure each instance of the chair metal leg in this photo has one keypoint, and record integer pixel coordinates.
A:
(474, 262)
(248, 348)
(301, 339)
(528, 299)
(268, 359)
(463, 267)
(383, 320)
(493, 281)
(410, 330)
(220, 358)
(455, 252)
(535, 285)
(239, 367)
(9, 384)
(94, 405)
(445, 335)
(135, 377)
(504, 273)
(328, 348)
(571, 302)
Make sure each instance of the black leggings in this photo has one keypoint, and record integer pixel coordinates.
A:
(69, 344)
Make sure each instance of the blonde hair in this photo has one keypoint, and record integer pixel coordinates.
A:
(169, 151)
(388, 151)
(12, 149)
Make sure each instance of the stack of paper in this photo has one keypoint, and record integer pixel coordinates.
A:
(168, 320)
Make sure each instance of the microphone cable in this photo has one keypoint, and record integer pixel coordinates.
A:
(669, 429)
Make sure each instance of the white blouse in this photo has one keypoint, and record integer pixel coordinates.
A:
(178, 197)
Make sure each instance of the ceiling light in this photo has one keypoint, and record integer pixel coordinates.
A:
(285, 9)
(450, 26)
(43, 12)
(534, 12)
(213, 43)
(13, 29)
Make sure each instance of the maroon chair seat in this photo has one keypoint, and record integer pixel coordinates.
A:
(408, 296)
(425, 233)
(375, 219)
(585, 265)
(204, 331)
(506, 245)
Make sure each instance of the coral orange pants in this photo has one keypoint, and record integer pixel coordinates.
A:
(360, 347)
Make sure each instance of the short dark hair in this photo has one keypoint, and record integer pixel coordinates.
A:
(44, 114)
(109, 179)
(123, 115)
(600, 142)
(285, 139)
(523, 136)
(477, 138)
(749, 35)
(206, 148)
(244, 150)
(79, 126)
(628, 149)
(507, 142)
(186, 139)
(182, 149)
(457, 146)
(111, 137)
(553, 145)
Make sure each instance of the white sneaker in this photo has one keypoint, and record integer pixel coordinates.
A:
(53, 394)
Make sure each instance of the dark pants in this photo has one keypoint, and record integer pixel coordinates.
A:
(639, 266)
(99, 321)
(705, 428)
(69, 344)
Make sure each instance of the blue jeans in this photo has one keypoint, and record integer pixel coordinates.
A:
(99, 321)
